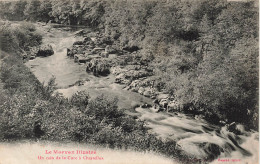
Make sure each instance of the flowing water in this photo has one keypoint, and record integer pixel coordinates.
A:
(195, 136)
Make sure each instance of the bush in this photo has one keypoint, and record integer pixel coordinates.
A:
(8, 41)
(19, 38)
(103, 108)
(80, 99)
(27, 36)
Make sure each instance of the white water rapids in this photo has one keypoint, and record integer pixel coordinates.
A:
(195, 137)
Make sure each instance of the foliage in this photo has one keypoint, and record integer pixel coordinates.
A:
(23, 37)
(28, 113)
(80, 99)
(203, 52)
(8, 42)
(31, 110)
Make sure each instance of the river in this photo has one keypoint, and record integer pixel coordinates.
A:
(195, 136)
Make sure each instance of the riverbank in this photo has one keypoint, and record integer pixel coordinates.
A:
(195, 136)
(196, 59)
(32, 110)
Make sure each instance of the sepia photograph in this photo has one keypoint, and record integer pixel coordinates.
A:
(129, 81)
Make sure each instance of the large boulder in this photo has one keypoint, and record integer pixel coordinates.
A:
(174, 105)
(97, 50)
(163, 103)
(76, 49)
(98, 67)
(147, 93)
(236, 128)
(81, 58)
(45, 50)
(150, 92)
(111, 50)
(120, 78)
(163, 96)
(135, 85)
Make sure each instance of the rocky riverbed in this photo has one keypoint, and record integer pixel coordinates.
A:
(131, 81)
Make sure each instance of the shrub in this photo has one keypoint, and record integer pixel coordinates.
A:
(80, 99)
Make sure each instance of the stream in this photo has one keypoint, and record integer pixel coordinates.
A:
(195, 136)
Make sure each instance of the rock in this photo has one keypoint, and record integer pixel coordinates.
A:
(98, 67)
(133, 67)
(33, 51)
(78, 49)
(173, 105)
(80, 58)
(87, 52)
(141, 90)
(240, 128)
(163, 96)
(135, 83)
(147, 93)
(129, 73)
(78, 43)
(32, 57)
(121, 79)
(87, 39)
(235, 128)
(146, 106)
(199, 117)
(104, 54)
(69, 53)
(51, 21)
(117, 70)
(82, 32)
(79, 83)
(212, 150)
(163, 103)
(25, 56)
(134, 105)
(134, 74)
(45, 50)
(97, 50)
(110, 50)
(131, 48)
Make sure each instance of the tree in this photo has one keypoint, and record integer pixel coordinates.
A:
(17, 10)
(45, 10)
(31, 11)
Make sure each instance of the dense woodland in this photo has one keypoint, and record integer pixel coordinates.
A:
(204, 52)
(30, 110)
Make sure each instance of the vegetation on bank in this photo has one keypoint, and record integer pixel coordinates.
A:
(31, 110)
(203, 52)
